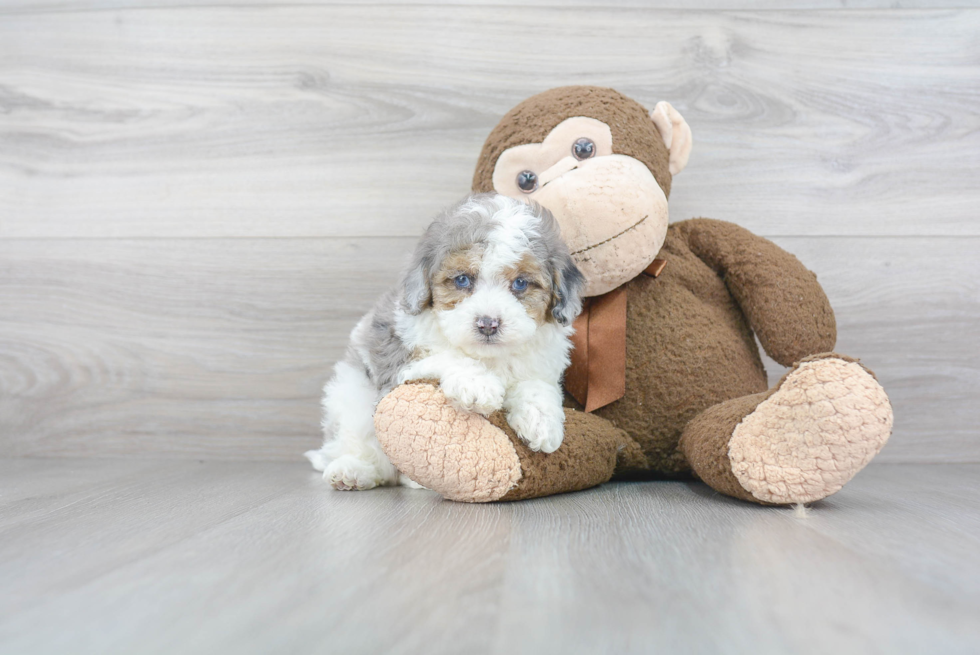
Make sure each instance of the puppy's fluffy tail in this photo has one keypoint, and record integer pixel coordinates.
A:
(317, 458)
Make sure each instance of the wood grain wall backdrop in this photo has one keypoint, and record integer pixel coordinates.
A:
(198, 202)
(36, 6)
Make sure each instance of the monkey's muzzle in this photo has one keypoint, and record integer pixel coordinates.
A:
(613, 216)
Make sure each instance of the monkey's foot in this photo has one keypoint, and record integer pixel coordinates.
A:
(824, 421)
(458, 454)
(469, 458)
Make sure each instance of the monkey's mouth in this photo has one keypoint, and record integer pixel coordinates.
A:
(612, 238)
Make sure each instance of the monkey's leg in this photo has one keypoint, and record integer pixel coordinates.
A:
(798, 442)
(468, 458)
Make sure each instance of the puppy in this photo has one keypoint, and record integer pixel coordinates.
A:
(486, 308)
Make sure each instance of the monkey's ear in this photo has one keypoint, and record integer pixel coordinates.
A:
(566, 290)
(417, 292)
(676, 134)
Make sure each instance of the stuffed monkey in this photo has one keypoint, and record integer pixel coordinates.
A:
(666, 377)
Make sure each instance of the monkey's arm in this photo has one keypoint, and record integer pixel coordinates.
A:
(782, 300)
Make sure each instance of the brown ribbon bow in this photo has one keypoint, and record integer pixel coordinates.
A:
(597, 374)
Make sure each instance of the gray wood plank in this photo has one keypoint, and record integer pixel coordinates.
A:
(120, 517)
(262, 558)
(146, 346)
(317, 120)
(30, 491)
(218, 348)
(45, 6)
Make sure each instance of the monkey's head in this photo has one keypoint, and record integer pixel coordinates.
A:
(601, 163)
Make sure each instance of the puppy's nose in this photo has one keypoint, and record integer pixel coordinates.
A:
(487, 326)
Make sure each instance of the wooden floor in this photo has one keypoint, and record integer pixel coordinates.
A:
(140, 556)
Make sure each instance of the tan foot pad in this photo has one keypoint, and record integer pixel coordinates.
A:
(827, 419)
(458, 454)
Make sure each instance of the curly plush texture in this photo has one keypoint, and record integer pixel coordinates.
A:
(824, 421)
(459, 454)
(468, 458)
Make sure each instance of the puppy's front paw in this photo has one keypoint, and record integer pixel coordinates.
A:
(348, 473)
(482, 393)
(542, 428)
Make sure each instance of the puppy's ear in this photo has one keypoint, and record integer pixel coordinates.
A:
(416, 288)
(566, 289)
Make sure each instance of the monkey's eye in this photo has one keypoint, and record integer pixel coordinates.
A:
(520, 284)
(527, 181)
(583, 149)
(462, 281)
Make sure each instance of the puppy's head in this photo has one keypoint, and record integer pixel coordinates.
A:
(493, 270)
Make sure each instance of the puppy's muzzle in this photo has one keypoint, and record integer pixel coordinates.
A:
(487, 326)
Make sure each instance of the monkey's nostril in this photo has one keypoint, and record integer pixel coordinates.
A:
(487, 326)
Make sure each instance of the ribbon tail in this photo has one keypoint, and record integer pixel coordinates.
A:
(607, 350)
(577, 373)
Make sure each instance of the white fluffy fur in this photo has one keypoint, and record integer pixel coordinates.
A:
(351, 457)
(519, 372)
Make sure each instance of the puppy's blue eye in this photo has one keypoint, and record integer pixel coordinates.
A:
(462, 281)
(520, 284)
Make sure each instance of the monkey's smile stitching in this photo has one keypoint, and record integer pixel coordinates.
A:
(615, 236)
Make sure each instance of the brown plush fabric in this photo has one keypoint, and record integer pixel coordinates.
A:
(781, 299)
(688, 347)
(705, 443)
(689, 344)
(633, 132)
(587, 457)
